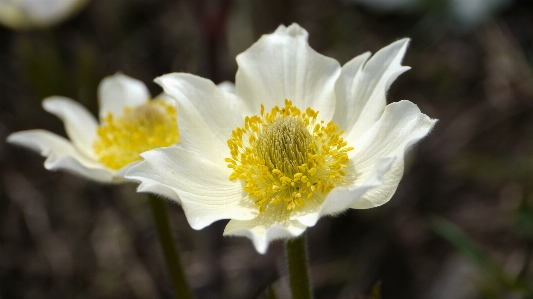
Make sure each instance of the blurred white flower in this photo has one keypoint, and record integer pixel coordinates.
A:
(300, 138)
(387, 5)
(130, 123)
(27, 14)
(468, 12)
(475, 11)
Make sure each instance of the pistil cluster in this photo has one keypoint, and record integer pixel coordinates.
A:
(286, 156)
(121, 139)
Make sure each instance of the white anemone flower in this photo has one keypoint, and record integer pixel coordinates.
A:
(301, 138)
(27, 14)
(130, 123)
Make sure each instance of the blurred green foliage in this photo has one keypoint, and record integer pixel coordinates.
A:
(497, 282)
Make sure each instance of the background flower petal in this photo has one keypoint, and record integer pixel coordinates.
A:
(119, 91)
(283, 66)
(206, 116)
(28, 14)
(61, 154)
(362, 86)
(265, 228)
(80, 124)
(401, 125)
(200, 185)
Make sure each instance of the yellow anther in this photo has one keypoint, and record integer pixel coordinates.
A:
(275, 200)
(120, 139)
(298, 176)
(286, 156)
(284, 180)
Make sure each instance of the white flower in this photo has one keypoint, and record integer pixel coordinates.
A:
(388, 5)
(130, 124)
(467, 12)
(476, 11)
(27, 14)
(299, 139)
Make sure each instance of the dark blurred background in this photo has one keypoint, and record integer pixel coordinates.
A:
(459, 226)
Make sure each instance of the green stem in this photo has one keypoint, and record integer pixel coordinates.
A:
(159, 210)
(297, 265)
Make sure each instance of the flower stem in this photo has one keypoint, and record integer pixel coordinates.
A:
(159, 210)
(297, 265)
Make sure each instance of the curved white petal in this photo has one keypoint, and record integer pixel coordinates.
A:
(341, 199)
(202, 187)
(166, 98)
(80, 124)
(61, 154)
(265, 228)
(361, 88)
(119, 174)
(401, 125)
(227, 86)
(207, 115)
(119, 91)
(282, 66)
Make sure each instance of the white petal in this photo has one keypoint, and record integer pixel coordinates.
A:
(166, 98)
(119, 91)
(206, 116)
(119, 174)
(231, 95)
(401, 125)
(341, 199)
(283, 66)
(61, 154)
(361, 90)
(265, 228)
(80, 124)
(227, 86)
(202, 187)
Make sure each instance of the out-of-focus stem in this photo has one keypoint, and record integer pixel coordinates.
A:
(159, 210)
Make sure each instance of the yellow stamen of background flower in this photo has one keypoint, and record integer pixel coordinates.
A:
(121, 139)
(286, 156)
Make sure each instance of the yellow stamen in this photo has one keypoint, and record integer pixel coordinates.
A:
(286, 156)
(121, 139)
